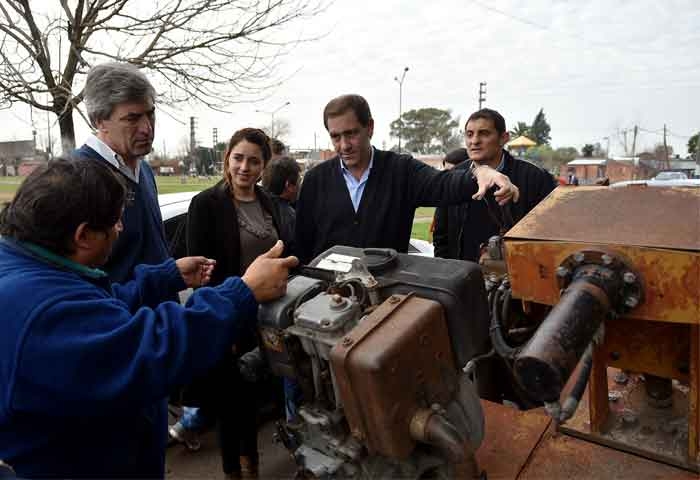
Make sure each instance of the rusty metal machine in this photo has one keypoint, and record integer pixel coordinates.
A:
(376, 342)
(619, 270)
(588, 307)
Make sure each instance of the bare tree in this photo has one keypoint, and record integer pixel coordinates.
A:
(282, 128)
(213, 52)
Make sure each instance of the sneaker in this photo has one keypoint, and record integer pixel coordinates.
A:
(188, 438)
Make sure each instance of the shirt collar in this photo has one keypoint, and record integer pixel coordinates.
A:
(116, 160)
(344, 169)
(48, 256)
(501, 164)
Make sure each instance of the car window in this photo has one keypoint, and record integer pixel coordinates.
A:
(175, 235)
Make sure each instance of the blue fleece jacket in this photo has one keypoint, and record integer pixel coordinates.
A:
(143, 239)
(85, 367)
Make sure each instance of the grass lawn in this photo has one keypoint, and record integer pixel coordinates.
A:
(421, 230)
(425, 212)
(184, 184)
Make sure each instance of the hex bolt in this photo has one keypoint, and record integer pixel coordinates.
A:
(629, 277)
(347, 341)
(607, 259)
(562, 272)
(336, 299)
(579, 257)
(631, 302)
(325, 322)
(394, 299)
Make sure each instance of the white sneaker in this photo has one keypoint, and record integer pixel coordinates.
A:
(188, 438)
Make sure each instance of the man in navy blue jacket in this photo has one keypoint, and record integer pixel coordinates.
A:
(120, 103)
(86, 365)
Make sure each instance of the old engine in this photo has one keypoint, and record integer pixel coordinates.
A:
(376, 342)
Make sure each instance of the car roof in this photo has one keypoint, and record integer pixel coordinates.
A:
(174, 204)
(659, 183)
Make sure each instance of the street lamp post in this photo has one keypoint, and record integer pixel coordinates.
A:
(272, 117)
(607, 148)
(400, 82)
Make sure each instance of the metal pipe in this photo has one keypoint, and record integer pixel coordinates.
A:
(544, 365)
(428, 426)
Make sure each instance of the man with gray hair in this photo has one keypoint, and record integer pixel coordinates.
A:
(120, 103)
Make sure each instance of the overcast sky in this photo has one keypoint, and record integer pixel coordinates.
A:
(596, 67)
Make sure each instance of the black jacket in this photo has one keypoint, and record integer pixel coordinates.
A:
(461, 229)
(212, 229)
(396, 185)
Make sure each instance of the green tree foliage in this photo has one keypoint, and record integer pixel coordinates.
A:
(539, 131)
(588, 150)
(427, 130)
(521, 129)
(694, 144)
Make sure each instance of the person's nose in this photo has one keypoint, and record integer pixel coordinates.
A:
(345, 144)
(146, 125)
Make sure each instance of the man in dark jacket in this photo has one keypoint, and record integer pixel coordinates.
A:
(86, 365)
(281, 179)
(461, 230)
(367, 197)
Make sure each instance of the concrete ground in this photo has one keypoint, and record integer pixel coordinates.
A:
(181, 464)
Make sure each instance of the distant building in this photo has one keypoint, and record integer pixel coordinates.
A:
(627, 168)
(587, 170)
(19, 157)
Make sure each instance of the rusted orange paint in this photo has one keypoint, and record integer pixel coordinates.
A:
(667, 218)
(628, 346)
(694, 394)
(671, 279)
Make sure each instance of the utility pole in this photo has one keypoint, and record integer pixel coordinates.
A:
(634, 141)
(215, 141)
(482, 92)
(624, 136)
(272, 117)
(666, 163)
(400, 82)
(607, 148)
(193, 141)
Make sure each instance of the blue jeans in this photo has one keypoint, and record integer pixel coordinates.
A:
(292, 398)
(196, 419)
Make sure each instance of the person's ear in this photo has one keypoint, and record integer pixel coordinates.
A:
(370, 127)
(82, 237)
(100, 126)
(505, 138)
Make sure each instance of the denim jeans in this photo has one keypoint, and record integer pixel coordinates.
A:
(196, 419)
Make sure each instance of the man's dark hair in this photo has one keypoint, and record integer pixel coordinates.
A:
(252, 135)
(57, 197)
(278, 172)
(498, 121)
(345, 103)
(277, 147)
(457, 156)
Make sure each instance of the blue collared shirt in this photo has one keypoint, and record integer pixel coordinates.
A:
(357, 187)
